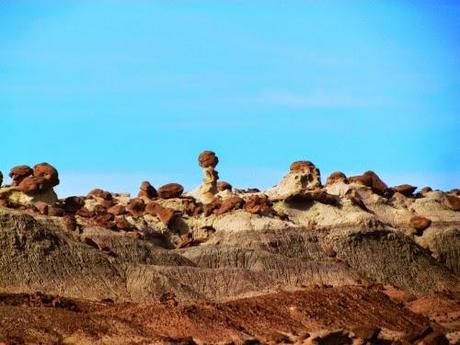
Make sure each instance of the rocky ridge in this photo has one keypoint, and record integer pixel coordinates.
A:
(222, 246)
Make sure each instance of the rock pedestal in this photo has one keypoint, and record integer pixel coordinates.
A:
(208, 189)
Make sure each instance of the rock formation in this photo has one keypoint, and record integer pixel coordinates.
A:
(170, 190)
(19, 173)
(147, 191)
(303, 176)
(208, 161)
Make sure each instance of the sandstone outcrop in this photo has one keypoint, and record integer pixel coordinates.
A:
(136, 207)
(48, 172)
(303, 176)
(170, 190)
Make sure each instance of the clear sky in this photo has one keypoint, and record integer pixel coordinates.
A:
(115, 92)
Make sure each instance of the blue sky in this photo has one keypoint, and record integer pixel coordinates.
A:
(115, 92)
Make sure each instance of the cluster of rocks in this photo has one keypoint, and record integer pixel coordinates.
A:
(32, 189)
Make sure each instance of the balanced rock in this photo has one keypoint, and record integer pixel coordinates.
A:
(336, 177)
(372, 180)
(34, 185)
(147, 191)
(420, 223)
(208, 159)
(19, 173)
(405, 189)
(170, 190)
(303, 176)
(48, 172)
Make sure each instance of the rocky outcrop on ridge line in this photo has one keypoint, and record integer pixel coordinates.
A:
(240, 254)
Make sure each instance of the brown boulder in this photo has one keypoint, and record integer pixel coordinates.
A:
(208, 159)
(372, 180)
(104, 220)
(117, 210)
(170, 190)
(336, 177)
(426, 190)
(99, 193)
(72, 204)
(165, 214)
(19, 173)
(122, 224)
(259, 204)
(222, 185)
(32, 185)
(48, 172)
(209, 208)
(405, 189)
(420, 223)
(136, 207)
(230, 204)
(55, 211)
(147, 191)
(453, 202)
(84, 212)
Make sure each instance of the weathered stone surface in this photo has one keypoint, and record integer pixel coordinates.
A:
(70, 222)
(48, 172)
(222, 185)
(303, 176)
(117, 210)
(147, 191)
(19, 173)
(208, 159)
(453, 202)
(229, 204)
(122, 224)
(405, 189)
(34, 185)
(336, 177)
(170, 190)
(165, 214)
(371, 179)
(72, 204)
(259, 204)
(420, 223)
(136, 207)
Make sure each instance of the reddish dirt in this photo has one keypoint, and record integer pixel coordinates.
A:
(39, 318)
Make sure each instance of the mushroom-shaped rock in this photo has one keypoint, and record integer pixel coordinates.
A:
(222, 185)
(19, 173)
(208, 159)
(147, 191)
(165, 214)
(303, 175)
(420, 223)
(48, 172)
(336, 177)
(453, 202)
(372, 180)
(136, 207)
(405, 189)
(170, 190)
